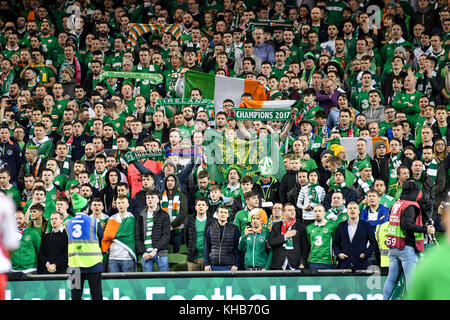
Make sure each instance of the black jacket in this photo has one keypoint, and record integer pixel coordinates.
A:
(348, 193)
(288, 182)
(298, 255)
(221, 245)
(160, 231)
(380, 169)
(53, 250)
(190, 234)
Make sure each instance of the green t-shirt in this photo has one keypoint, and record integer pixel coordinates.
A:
(200, 230)
(321, 239)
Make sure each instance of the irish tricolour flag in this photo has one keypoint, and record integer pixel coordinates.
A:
(219, 88)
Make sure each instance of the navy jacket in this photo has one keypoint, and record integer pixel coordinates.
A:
(342, 244)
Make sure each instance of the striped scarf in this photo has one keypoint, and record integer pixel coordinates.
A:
(335, 212)
(356, 162)
(365, 185)
(171, 206)
(431, 169)
(148, 234)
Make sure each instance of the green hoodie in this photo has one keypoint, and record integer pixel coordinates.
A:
(256, 250)
(25, 258)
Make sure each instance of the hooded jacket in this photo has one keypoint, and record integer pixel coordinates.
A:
(108, 193)
(411, 192)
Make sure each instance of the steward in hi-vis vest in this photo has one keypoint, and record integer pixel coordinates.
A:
(85, 255)
(405, 236)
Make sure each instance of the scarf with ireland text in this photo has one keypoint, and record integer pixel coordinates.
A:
(312, 193)
(394, 162)
(171, 206)
(365, 185)
(431, 169)
(148, 233)
(335, 212)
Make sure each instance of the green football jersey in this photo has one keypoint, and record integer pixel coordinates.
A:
(321, 241)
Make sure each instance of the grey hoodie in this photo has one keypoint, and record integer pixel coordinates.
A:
(374, 114)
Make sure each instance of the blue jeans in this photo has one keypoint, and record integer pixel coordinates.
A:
(407, 260)
(163, 263)
(221, 268)
(321, 266)
(121, 265)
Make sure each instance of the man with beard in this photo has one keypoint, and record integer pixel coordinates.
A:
(188, 126)
(94, 77)
(188, 24)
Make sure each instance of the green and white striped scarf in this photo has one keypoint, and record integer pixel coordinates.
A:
(355, 170)
(365, 185)
(431, 169)
(335, 212)
(148, 234)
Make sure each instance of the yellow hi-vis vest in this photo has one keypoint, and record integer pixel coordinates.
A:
(84, 248)
(381, 233)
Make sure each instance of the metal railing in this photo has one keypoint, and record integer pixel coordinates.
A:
(207, 274)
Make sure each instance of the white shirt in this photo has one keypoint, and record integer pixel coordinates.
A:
(352, 230)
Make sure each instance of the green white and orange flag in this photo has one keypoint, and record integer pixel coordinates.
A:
(139, 29)
(219, 88)
(121, 232)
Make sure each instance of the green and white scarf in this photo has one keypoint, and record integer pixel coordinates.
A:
(335, 212)
(148, 234)
(203, 193)
(394, 163)
(312, 193)
(365, 185)
(339, 187)
(355, 170)
(431, 169)
(65, 170)
(154, 78)
(98, 179)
